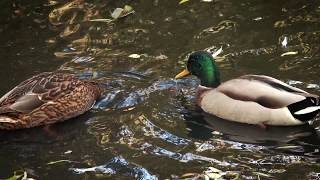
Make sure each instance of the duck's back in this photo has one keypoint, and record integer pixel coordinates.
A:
(46, 98)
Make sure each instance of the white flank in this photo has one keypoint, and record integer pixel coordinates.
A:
(218, 104)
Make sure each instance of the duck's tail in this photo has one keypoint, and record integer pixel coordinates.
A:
(306, 109)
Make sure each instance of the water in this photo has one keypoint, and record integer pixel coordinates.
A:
(147, 126)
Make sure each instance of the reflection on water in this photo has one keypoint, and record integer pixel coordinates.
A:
(146, 126)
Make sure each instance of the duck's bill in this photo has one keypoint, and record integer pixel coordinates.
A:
(182, 74)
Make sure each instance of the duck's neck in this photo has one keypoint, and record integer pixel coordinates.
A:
(210, 78)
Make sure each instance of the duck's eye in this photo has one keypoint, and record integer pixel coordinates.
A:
(197, 66)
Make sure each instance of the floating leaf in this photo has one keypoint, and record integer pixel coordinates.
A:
(14, 177)
(134, 56)
(122, 12)
(68, 152)
(289, 53)
(284, 42)
(219, 51)
(287, 147)
(263, 174)
(101, 20)
(213, 175)
(183, 1)
(59, 161)
(23, 176)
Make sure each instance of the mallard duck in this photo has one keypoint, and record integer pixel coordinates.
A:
(251, 99)
(45, 99)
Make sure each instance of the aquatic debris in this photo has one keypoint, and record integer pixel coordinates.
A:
(122, 12)
(68, 152)
(55, 16)
(183, 1)
(116, 14)
(212, 173)
(204, 146)
(263, 175)
(294, 82)
(289, 53)
(287, 147)
(284, 42)
(313, 86)
(134, 56)
(161, 57)
(101, 20)
(60, 161)
(82, 59)
(219, 51)
(257, 19)
(23, 176)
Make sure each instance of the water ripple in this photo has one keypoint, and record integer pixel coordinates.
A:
(185, 158)
(151, 129)
(118, 165)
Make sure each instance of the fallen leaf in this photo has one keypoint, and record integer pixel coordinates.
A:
(183, 1)
(101, 20)
(289, 53)
(284, 42)
(134, 56)
(122, 12)
(219, 51)
(59, 161)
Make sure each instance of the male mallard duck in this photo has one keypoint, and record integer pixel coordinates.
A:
(252, 99)
(45, 99)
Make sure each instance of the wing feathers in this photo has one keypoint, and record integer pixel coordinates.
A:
(36, 91)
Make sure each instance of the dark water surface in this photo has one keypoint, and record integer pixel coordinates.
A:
(146, 126)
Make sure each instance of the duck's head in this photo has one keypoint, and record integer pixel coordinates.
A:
(202, 65)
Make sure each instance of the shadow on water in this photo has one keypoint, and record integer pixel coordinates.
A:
(303, 140)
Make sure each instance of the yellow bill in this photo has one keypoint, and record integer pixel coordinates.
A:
(182, 74)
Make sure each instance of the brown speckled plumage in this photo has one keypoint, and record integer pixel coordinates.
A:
(45, 99)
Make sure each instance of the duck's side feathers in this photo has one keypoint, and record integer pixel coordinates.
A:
(273, 82)
(244, 89)
(219, 104)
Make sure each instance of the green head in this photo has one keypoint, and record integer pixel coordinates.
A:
(202, 65)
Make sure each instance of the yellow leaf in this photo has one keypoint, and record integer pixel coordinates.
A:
(183, 1)
(289, 53)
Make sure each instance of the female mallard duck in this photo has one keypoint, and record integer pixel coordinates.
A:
(45, 99)
(252, 99)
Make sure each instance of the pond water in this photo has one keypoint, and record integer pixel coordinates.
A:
(147, 126)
